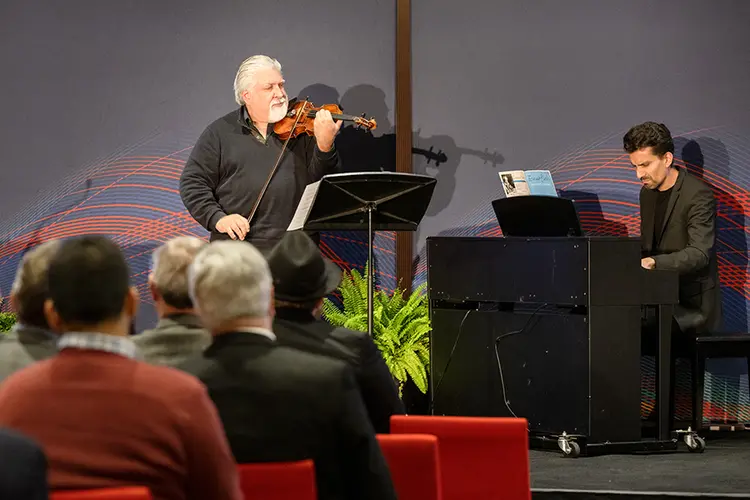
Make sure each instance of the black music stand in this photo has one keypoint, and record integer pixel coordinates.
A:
(372, 201)
(537, 216)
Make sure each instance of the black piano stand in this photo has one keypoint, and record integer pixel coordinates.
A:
(573, 445)
(573, 369)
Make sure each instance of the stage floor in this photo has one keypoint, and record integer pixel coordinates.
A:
(722, 471)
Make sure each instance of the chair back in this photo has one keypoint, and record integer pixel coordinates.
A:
(279, 480)
(480, 457)
(124, 493)
(414, 464)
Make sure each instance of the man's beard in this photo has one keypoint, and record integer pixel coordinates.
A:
(277, 113)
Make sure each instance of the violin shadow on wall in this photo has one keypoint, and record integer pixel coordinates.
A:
(589, 209)
(375, 151)
(439, 156)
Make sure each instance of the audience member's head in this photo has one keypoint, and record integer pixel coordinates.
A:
(29, 290)
(230, 285)
(88, 288)
(302, 277)
(168, 280)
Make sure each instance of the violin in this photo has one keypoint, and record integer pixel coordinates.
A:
(300, 119)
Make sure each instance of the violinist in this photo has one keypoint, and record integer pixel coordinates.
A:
(241, 165)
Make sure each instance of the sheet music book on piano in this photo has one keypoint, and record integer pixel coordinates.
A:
(528, 182)
(304, 207)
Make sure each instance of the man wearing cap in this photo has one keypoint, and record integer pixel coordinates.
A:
(302, 277)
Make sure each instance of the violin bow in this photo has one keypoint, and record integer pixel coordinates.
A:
(275, 167)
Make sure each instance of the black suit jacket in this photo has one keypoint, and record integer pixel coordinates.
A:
(281, 404)
(23, 473)
(299, 329)
(687, 246)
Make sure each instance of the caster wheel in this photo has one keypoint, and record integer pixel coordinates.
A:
(569, 448)
(698, 444)
(574, 450)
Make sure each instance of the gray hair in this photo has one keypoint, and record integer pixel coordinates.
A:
(30, 289)
(169, 268)
(229, 280)
(245, 78)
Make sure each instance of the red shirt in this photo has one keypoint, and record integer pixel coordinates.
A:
(105, 420)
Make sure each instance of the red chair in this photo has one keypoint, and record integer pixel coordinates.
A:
(485, 458)
(128, 493)
(279, 480)
(414, 464)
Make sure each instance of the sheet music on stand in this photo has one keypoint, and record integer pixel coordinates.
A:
(304, 207)
(364, 201)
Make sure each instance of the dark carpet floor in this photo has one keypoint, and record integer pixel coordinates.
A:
(723, 469)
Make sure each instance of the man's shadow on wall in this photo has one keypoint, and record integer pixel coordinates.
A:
(708, 159)
(362, 150)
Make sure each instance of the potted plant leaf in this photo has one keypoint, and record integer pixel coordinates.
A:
(7, 320)
(401, 326)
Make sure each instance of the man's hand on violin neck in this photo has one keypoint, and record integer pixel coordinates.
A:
(234, 225)
(325, 129)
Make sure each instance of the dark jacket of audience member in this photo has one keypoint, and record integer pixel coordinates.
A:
(23, 468)
(279, 403)
(302, 277)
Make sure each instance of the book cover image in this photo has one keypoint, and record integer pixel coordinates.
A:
(514, 183)
(529, 182)
(540, 182)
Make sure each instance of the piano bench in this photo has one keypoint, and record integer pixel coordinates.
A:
(724, 346)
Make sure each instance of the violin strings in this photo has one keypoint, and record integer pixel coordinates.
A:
(336, 116)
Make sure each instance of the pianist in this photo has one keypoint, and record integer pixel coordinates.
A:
(678, 227)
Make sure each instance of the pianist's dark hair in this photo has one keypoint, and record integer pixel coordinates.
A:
(649, 134)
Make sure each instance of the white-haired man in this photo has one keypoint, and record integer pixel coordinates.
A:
(179, 334)
(30, 340)
(234, 155)
(276, 403)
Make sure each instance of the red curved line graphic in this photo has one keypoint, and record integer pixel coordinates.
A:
(111, 184)
(358, 242)
(109, 224)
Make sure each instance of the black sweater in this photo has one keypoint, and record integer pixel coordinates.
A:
(228, 167)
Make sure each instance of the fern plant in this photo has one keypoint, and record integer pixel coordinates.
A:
(7, 320)
(401, 326)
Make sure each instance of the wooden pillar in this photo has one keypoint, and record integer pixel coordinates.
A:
(404, 240)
